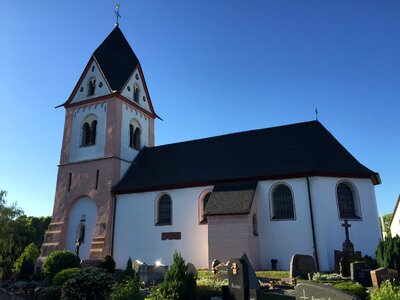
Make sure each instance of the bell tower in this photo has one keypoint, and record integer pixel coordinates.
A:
(109, 117)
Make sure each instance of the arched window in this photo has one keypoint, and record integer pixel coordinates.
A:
(203, 205)
(85, 134)
(93, 130)
(282, 203)
(91, 86)
(136, 93)
(348, 206)
(89, 131)
(164, 210)
(134, 134)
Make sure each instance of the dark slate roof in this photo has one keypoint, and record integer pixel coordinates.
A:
(231, 198)
(116, 59)
(290, 151)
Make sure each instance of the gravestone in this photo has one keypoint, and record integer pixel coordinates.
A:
(302, 265)
(360, 272)
(149, 274)
(382, 274)
(343, 258)
(191, 269)
(238, 279)
(309, 291)
(214, 263)
(253, 280)
(90, 263)
(221, 272)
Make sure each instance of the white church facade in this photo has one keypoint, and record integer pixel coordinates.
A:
(270, 193)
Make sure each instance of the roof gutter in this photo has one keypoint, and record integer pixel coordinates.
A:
(312, 224)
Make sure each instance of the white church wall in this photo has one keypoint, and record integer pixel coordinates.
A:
(137, 236)
(78, 152)
(280, 239)
(129, 113)
(101, 89)
(395, 223)
(143, 102)
(364, 233)
(84, 206)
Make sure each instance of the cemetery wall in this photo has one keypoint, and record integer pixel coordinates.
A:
(137, 236)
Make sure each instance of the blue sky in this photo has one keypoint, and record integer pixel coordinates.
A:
(212, 67)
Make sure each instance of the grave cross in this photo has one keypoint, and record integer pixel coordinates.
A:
(117, 14)
(346, 226)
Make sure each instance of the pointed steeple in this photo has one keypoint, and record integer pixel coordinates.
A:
(116, 59)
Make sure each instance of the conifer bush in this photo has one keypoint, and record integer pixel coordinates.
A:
(177, 284)
(108, 264)
(129, 271)
(388, 253)
(24, 266)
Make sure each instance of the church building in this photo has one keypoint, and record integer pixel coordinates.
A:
(270, 193)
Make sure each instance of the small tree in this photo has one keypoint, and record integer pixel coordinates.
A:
(388, 253)
(24, 265)
(177, 284)
(58, 261)
(108, 264)
(129, 271)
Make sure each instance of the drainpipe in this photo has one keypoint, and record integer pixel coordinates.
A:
(113, 225)
(312, 224)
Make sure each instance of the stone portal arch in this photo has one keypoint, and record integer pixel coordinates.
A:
(84, 211)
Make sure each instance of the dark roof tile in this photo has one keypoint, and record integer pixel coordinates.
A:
(231, 198)
(296, 150)
(116, 59)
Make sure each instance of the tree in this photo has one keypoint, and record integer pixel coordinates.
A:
(24, 262)
(177, 284)
(386, 223)
(11, 244)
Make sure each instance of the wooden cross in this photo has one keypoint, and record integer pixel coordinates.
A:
(346, 226)
(117, 14)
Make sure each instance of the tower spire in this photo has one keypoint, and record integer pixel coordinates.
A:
(117, 14)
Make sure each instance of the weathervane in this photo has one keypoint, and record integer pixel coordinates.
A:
(117, 14)
(316, 114)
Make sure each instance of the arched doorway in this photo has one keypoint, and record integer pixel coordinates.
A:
(83, 213)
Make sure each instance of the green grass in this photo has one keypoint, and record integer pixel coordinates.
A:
(273, 274)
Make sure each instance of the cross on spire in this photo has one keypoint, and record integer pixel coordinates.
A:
(117, 14)
(316, 114)
(346, 226)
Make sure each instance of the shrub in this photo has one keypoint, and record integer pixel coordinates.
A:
(50, 293)
(90, 283)
(64, 276)
(208, 287)
(129, 271)
(24, 266)
(108, 264)
(388, 253)
(387, 291)
(126, 290)
(326, 277)
(58, 261)
(177, 284)
(353, 288)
